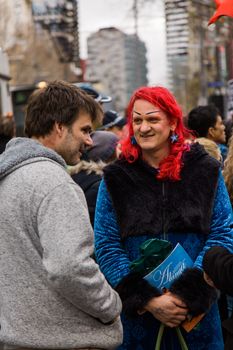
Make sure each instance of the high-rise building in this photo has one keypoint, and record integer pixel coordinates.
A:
(118, 62)
(196, 54)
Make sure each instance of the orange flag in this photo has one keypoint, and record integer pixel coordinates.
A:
(224, 8)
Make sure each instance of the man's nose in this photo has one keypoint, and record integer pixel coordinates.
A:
(144, 127)
(89, 141)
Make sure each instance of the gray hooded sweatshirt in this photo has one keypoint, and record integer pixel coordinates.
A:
(52, 293)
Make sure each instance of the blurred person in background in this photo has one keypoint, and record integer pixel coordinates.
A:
(218, 267)
(98, 96)
(7, 130)
(228, 125)
(89, 172)
(210, 147)
(228, 170)
(115, 123)
(53, 295)
(161, 187)
(206, 121)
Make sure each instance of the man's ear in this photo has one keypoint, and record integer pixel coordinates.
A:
(210, 133)
(59, 128)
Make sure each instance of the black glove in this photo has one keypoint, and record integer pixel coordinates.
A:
(192, 289)
(135, 292)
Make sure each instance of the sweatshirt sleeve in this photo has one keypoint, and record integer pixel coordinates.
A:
(221, 232)
(110, 254)
(67, 240)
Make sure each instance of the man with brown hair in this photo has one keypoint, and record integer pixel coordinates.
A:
(53, 295)
(207, 122)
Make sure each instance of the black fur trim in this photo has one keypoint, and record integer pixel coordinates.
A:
(194, 291)
(170, 208)
(135, 292)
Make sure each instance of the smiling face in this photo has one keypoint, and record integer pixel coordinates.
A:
(74, 139)
(151, 128)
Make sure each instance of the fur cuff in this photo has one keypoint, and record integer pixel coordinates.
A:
(194, 291)
(135, 292)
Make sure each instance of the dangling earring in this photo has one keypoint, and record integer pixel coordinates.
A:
(133, 141)
(174, 137)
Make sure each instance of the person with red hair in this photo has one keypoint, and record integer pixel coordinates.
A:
(166, 188)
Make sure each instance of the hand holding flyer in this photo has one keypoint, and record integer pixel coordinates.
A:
(171, 268)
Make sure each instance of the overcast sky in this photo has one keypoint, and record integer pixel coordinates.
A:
(96, 14)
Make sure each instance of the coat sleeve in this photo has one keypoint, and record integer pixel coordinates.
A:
(67, 240)
(221, 233)
(218, 264)
(109, 251)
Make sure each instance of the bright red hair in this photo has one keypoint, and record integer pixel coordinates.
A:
(160, 97)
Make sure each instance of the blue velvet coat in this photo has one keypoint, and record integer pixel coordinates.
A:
(114, 258)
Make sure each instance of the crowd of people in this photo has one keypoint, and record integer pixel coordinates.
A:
(83, 192)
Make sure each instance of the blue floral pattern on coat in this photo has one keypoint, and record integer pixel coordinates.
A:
(114, 258)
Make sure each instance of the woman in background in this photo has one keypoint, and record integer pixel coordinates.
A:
(228, 170)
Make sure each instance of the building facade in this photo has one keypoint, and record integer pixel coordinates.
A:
(34, 54)
(197, 56)
(60, 19)
(118, 62)
(5, 96)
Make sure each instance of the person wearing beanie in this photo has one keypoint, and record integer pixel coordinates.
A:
(115, 123)
(104, 146)
(88, 173)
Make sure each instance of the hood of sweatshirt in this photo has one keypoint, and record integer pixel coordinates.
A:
(21, 151)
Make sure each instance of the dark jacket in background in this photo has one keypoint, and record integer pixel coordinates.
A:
(88, 176)
(89, 171)
(218, 264)
(3, 141)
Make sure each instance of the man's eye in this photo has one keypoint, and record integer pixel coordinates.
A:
(87, 131)
(137, 121)
(153, 120)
